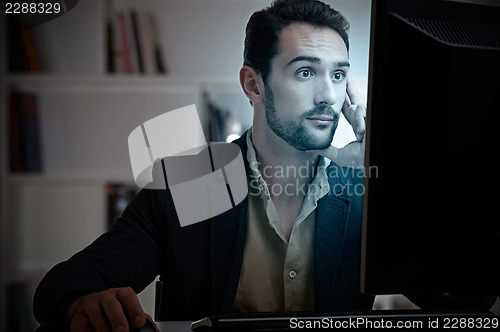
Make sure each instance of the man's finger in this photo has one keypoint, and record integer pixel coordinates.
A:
(354, 110)
(354, 105)
(355, 115)
(81, 323)
(97, 317)
(361, 110)
(355, 97)
(132, 306)
(349, 113)
(352, 155)
(360, 123)
(114, 312)
(330, 152)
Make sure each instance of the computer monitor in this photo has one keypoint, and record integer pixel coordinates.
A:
(431, 210)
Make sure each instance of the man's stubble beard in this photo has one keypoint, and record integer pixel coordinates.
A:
(295, 133)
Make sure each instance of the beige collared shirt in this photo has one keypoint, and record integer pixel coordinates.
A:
(278, 274)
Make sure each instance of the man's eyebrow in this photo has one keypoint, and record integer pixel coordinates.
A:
(314, 59)
(343, 64)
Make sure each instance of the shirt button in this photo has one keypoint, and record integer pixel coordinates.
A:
(292, 274)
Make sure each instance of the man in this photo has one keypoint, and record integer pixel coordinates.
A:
(297, 96)
(291, 245)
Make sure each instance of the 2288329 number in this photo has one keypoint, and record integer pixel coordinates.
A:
(486, 322)
(32, 8)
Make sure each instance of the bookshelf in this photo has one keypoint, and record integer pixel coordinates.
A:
(86, 114)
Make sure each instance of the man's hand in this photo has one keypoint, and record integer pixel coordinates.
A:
(354, 110)
(107, 311)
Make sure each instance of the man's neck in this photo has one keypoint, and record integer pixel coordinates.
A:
(280, 163)
(274, 153)
(287, 172)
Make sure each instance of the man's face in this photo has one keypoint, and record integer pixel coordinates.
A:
(307, 86)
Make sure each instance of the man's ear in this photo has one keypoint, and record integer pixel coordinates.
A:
(252, 84)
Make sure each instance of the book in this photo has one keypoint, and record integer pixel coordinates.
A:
(15, 158)
(109, 46)
(158, 53)
(30, 50)
(22, 49)
(146, 42)
(137, 40)
(25, 139)
(117, 44)
(119, 195)
(15, 49)
(217, 119)
(133, 43)
(124, 42)
(19, 308)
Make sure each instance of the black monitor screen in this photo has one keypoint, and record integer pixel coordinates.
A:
(432, 208)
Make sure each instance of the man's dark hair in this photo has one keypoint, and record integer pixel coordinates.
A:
(264, 28)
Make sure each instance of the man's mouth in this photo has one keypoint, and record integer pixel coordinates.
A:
(321, 119)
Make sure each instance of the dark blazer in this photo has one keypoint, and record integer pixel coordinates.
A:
(200, 264)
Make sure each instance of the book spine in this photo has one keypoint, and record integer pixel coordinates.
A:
(158, 54)
(127, 65)
(29, 125)
(137, 40)
(132, 47)
(16, 164)
(22, 51)
(18, 308)
(147, 42)
(119, 196)
(109, 46)
(117, 44)
(33, 65)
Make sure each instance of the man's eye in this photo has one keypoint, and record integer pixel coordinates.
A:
(304, 73)
(338, 76)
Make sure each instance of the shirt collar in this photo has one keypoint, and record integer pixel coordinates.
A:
(254, 164)
(317, 189)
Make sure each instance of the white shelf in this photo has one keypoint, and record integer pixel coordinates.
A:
(109, 82)
(66, 177)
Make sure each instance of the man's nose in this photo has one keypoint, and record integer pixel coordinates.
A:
(325, 92)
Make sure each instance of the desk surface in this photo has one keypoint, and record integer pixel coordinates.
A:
(414, 318)
(182, 326)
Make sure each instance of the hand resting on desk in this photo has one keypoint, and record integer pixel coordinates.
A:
(107, 311)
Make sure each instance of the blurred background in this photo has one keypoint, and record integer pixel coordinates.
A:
(73, 88)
